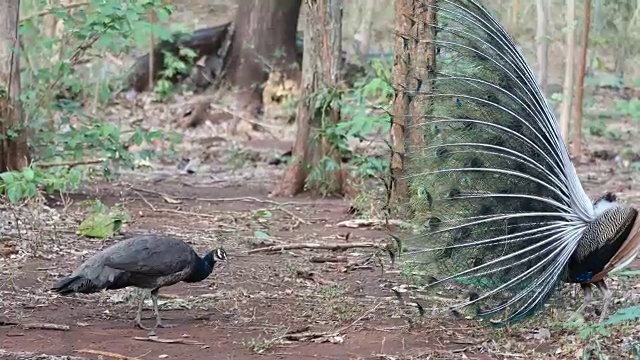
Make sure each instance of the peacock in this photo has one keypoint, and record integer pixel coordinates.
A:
(491, 184)
(144, 261)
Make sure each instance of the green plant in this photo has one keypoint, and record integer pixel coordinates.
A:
(102, 222)
(64, 84)
(365, 113)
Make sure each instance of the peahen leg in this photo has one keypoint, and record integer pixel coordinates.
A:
(606, 294)
(138, 319)
(586, 298)
(159, 324)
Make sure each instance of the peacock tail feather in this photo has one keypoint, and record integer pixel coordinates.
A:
(499, 201)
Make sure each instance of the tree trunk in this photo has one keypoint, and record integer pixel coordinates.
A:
(567, 95)
(363, 36)
(14, 153)
(264, 40)
(401, 66)
(543, 43)
(321, 65)
(577, 124)
(415, 61)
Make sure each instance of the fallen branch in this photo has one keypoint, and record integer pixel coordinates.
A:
(106, 353)
(36, 326)
(69, 163)
(168, 341)
(332, 247)
(45, 326)
(328, 259)
(357, 223)
(244, 199)
(173, 211)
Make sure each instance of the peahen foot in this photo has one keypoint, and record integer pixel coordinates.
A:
(606, 294)
(159, 324)
(138, 320)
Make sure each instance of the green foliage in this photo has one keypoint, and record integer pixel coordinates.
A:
(173, 66)
(365, 112)
(64, 83)
(630, 108)
(18, 185)
(102, 222)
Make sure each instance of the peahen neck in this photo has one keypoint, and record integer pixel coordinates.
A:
(203, 268)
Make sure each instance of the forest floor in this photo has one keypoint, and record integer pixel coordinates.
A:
(282, 305)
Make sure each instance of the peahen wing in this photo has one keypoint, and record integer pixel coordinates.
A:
(150, 255)
(502, 206)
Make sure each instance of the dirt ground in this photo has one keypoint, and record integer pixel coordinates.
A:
(245, 307)
(282, 305)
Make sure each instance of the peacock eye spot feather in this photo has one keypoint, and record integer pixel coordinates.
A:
(454, 193)
(442, 153)
(476, 163)
(434, 223)
(461, 234)
(485, 210)
(424, 194)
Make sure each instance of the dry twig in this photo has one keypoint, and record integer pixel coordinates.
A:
(168, 341)
(69, 163)
(279, 206)
(106, 353)
(36, 326)
(358, 223)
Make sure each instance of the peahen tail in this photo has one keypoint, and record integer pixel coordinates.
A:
(502, 206)
(75, 284)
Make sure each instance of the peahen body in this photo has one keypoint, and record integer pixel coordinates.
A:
(146, 262)
(502, 205)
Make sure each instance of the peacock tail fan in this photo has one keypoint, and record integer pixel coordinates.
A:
(499, 202)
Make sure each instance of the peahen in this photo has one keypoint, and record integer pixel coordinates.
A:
(491, 180)
(144, 261)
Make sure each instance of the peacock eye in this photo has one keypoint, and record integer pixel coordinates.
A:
(422, 192)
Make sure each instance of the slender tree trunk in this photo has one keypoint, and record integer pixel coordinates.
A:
(414, 66)
(401, 66)
(543, 43)
(363, 37)
(567, 96)
(264, 40)
(577, 124)
(321, 66)
(14, 151)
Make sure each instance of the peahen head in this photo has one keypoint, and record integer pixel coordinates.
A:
(205, 266)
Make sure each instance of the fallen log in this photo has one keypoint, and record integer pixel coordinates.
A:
(204, 42)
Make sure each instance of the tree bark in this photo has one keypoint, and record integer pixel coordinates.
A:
(543, 43)
(14, 153)
(401, 66)
(414, 65)
(321, 65)
(577, 124)
(567, 96)
(363, 36)
(264, 40)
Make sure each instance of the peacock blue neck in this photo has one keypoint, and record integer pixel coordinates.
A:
(202, 268)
